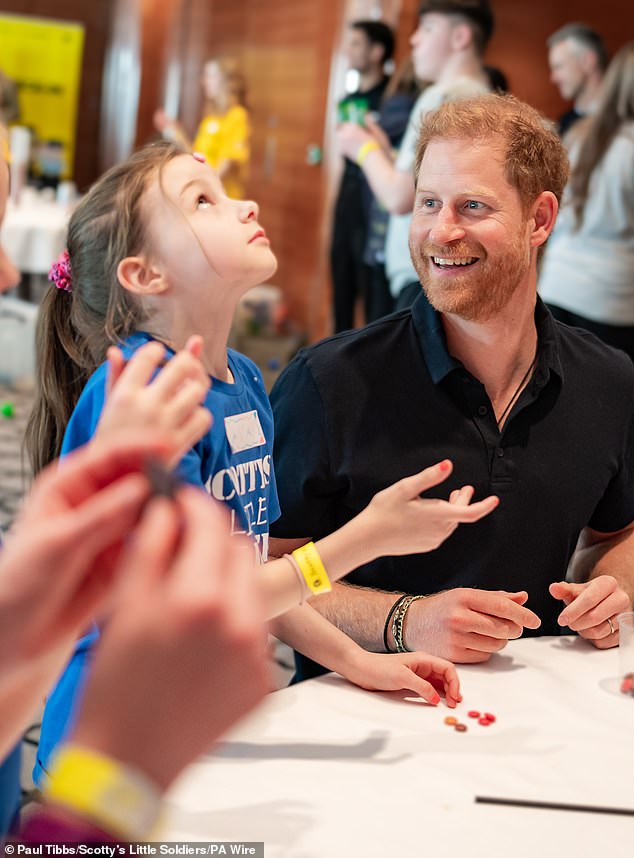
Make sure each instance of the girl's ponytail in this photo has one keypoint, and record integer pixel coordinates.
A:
(62, 370)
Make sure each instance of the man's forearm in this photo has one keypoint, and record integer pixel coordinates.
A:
(357, 611)
(392, 187)
(613, 556)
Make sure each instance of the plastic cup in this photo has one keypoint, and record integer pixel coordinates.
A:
(66, 193)
(626, 652)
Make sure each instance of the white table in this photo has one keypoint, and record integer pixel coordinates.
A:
(324, 769)
(34, 232)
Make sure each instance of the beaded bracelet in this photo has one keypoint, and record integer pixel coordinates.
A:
(399, 621)
(116, 797)
(312, 569)
(387, 621)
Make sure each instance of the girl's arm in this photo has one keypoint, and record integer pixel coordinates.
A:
(396, 521)
(171, 129)
(307, 631)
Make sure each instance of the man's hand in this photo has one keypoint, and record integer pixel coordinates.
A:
(373, 127)
(350, 138)
(466, 625)
(589, 607)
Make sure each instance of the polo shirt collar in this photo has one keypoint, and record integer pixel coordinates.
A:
(431, 337)
(440, 363)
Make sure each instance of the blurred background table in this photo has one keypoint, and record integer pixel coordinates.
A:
(326, 769)
(33, 235)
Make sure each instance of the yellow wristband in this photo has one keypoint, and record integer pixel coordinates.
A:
(364, 151)
(312, 569)
(117, 798)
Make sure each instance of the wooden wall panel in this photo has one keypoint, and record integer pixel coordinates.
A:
(159, 22)
(95, 16)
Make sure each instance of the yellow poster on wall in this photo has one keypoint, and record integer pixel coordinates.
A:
(44, 59)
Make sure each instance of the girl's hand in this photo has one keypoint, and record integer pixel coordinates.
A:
(399, 521)
(161, 120)
(424, 674)
(58, 565)
(169, 401)
(186, 639)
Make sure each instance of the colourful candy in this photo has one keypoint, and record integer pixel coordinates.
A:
(451, 721)
(473, 713)
(461, 728)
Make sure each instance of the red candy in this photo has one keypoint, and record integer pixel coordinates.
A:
(473, 714)
(490, 717)
(484, 721)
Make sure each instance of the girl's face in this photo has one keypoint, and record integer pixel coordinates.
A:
(213, 81)
(200, 236)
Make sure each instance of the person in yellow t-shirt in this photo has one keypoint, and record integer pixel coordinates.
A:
(224, 131)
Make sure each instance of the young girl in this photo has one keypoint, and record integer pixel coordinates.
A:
(157, 251)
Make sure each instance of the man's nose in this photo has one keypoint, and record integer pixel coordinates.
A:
(446, 228)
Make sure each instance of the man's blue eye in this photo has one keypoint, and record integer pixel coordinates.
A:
(473, 204)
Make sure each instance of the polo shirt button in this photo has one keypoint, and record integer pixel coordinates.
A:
(500, 452)
(482, 410)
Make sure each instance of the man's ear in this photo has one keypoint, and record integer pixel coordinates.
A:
(543, 216)
(137, 274)
(377, 52)
(461, 36)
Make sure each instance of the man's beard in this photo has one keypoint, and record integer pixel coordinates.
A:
(478, 293)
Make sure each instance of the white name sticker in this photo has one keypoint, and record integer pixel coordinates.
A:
(244, 431)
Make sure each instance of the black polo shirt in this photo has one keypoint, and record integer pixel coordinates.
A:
(362, 409)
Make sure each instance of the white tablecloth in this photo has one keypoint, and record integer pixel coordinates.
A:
(34, 233)
(324, 769)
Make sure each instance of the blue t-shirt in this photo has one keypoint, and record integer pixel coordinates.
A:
(233, 462)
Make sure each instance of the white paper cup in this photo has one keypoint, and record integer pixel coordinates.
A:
(626, 651)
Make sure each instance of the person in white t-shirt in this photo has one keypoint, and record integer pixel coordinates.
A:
(587, 275)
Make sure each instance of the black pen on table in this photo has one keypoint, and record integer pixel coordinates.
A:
(554, 805)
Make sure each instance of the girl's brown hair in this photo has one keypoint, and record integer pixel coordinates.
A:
(75, 329)
(596, 133)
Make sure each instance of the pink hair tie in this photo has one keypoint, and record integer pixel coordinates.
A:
(199, 157)
(60, 273)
